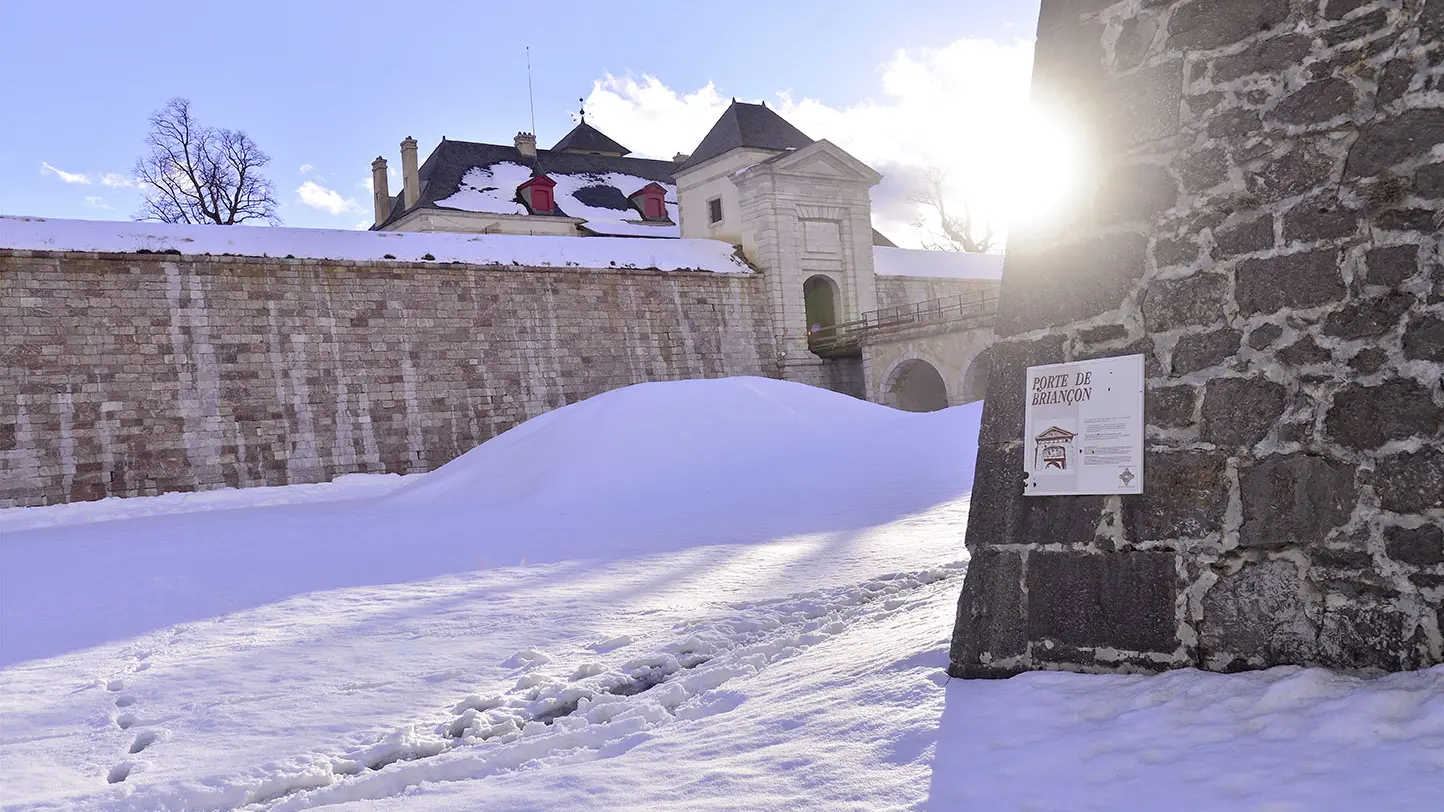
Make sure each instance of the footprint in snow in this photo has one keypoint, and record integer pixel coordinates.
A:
(124, 701)
(115, 685)
(119, 772)
(143, 740)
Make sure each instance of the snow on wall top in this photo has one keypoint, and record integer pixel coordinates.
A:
(938, 264)
(491, 189)
(51, 234)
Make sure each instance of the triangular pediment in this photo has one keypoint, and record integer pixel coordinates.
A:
(824, 159)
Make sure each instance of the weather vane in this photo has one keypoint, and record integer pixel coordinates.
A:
(583, 110)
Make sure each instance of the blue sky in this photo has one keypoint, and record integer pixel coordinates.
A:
(330, 86)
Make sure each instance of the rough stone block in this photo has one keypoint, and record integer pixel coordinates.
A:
(1368, 317)
(1304, 352)
(1296, 499)
(1234, 122)
(1145, 105)
(1244, 238)
(1199, 299)
(1366, 632)
(1136, 193)
(1405, 137)
(1392, 265)
(1316, 102)
(1421, 546)
(1411, 482)
(1170, 407)
(1068, 283)
(1264, 335)
(1202, 350)
(1303, 168)
(1203, 169)
(990, 622)
(1206, 24)
(1301, 279)
(1366, 417)
(1240, 411)
(1429, 180)
(1424, 338)
(1260, 614)
(1319, 219)
(1185, 495)
(1117, 600)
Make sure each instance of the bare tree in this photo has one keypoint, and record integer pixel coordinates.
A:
(202, 175)
(948, 229)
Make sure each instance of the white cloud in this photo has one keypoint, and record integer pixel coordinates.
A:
(116, 180)
(962, 108)
(305, 168)
(319, 197)
(68, 177)
(96, 202)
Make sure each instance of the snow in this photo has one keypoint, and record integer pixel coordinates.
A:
(492, 189)
(50, 234)
(703, 594)
(937, 264)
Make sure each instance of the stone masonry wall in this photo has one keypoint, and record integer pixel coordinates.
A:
(894, 291)
(1265, 230)
(131, 374)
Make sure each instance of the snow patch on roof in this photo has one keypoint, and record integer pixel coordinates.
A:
(492, 189)
(50, 234)
(937, 264)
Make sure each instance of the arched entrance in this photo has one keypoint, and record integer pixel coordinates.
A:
(820, 298)
(975, 380)
(916, 386)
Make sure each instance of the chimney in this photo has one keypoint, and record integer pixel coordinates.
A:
(410, 178)
(380, 192)
(680, 157)
(526, 143)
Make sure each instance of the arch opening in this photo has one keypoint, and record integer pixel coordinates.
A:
(975, 379)
(820, 298)
(916, 386)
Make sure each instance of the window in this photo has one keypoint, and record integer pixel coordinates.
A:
(654, 208)
(714, 210)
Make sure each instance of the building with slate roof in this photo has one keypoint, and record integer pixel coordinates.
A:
(798, 209)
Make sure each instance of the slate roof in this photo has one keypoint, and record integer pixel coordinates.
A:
(442, 173)
(746, 125)
(586, 137)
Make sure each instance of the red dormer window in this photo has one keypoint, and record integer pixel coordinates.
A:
(651, 201)
(537, 194)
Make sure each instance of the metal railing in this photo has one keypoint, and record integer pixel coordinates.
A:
(967, 310)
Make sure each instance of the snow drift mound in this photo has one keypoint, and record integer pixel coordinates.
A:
(729, 443)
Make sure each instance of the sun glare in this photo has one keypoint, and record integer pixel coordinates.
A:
(1047, 167)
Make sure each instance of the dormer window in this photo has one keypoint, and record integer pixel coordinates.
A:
(537, 195)
(651, 201)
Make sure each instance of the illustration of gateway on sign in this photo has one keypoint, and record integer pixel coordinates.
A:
(1052, 449)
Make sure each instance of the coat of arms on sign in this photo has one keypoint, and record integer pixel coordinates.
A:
(1051, 450)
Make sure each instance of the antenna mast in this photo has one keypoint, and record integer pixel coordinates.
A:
(529, 99)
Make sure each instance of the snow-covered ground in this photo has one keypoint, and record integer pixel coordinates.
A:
(729, 594)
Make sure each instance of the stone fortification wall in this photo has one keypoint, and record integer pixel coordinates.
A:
(1266, 232)
(132, 374)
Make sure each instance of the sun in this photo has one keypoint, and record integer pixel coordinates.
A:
(1047, 165)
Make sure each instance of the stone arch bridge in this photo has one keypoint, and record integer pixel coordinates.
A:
(919, 357)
